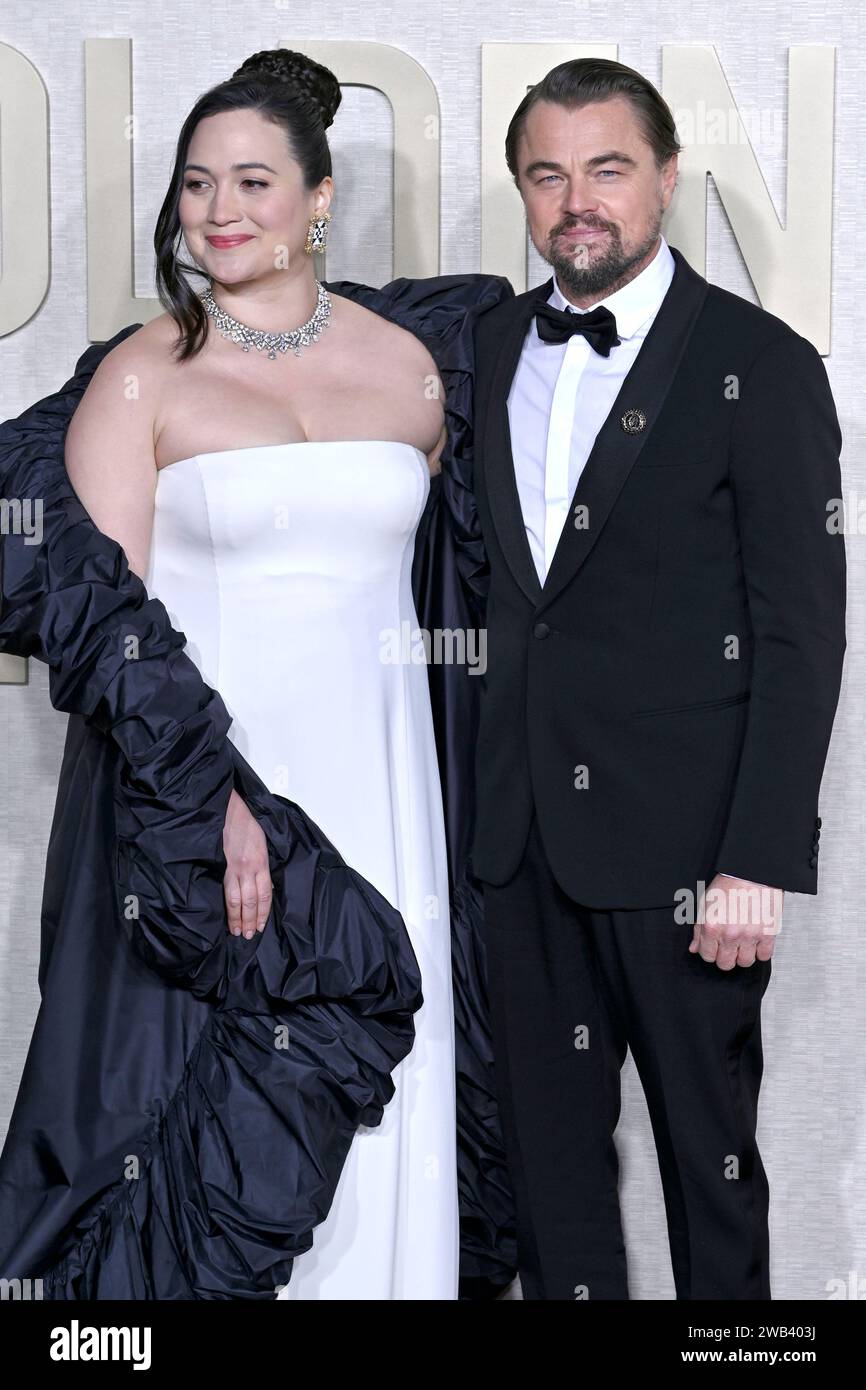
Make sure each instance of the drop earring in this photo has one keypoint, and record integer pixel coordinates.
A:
(317, 233)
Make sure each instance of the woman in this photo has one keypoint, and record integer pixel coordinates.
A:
(270, 500)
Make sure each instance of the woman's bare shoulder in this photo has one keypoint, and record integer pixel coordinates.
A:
(123, 392)
(151, 344)
(374, 333)
(144, 355)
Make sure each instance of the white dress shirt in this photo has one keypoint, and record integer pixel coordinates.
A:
(561, 395)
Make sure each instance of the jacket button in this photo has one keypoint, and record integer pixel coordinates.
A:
(541, 630)
(818, 822)
(814, 861)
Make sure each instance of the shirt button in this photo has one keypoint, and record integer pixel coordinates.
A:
(541, 630)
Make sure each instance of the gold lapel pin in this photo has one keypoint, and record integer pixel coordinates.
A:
(633, 421)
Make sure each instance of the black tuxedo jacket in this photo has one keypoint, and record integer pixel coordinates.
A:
(666, 698)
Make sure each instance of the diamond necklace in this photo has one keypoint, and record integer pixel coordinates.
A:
(271, 343)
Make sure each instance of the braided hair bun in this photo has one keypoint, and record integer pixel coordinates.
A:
(308, 78)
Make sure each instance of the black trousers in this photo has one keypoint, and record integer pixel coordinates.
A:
(570, 989)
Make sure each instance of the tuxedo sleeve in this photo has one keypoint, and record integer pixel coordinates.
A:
(785, 476)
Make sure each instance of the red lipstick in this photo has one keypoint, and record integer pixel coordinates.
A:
(221, 243)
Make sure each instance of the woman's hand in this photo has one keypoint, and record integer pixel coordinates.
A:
(248, 887)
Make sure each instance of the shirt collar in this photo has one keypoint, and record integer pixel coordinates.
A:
(635, 303)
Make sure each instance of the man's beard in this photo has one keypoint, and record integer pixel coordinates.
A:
(582, 273)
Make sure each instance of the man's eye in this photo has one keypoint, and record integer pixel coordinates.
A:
(548, 176)
(616, 172)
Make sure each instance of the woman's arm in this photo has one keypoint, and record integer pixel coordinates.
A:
(110, 459)
(109, 449)
(433, 462)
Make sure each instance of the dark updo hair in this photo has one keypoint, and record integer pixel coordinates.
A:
(286, 87)
(312, 79)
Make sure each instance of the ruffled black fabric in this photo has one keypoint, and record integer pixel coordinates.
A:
(189, 1098)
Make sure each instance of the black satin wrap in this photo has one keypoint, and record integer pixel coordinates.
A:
(189, 1097)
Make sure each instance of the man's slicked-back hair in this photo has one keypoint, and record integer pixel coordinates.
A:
(580, 81)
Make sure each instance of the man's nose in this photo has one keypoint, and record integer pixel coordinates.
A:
(579, 198)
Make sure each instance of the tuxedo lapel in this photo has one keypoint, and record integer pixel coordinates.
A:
(499, 472)
(614, 452)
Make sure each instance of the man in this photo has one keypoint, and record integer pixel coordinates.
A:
(665, 638)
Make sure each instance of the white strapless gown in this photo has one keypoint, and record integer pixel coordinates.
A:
(289, 569)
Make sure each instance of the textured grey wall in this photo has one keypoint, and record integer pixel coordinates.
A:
(812, 1114)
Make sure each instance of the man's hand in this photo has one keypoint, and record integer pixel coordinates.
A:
(737, 922)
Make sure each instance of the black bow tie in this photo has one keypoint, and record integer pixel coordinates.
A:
(598, 327)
